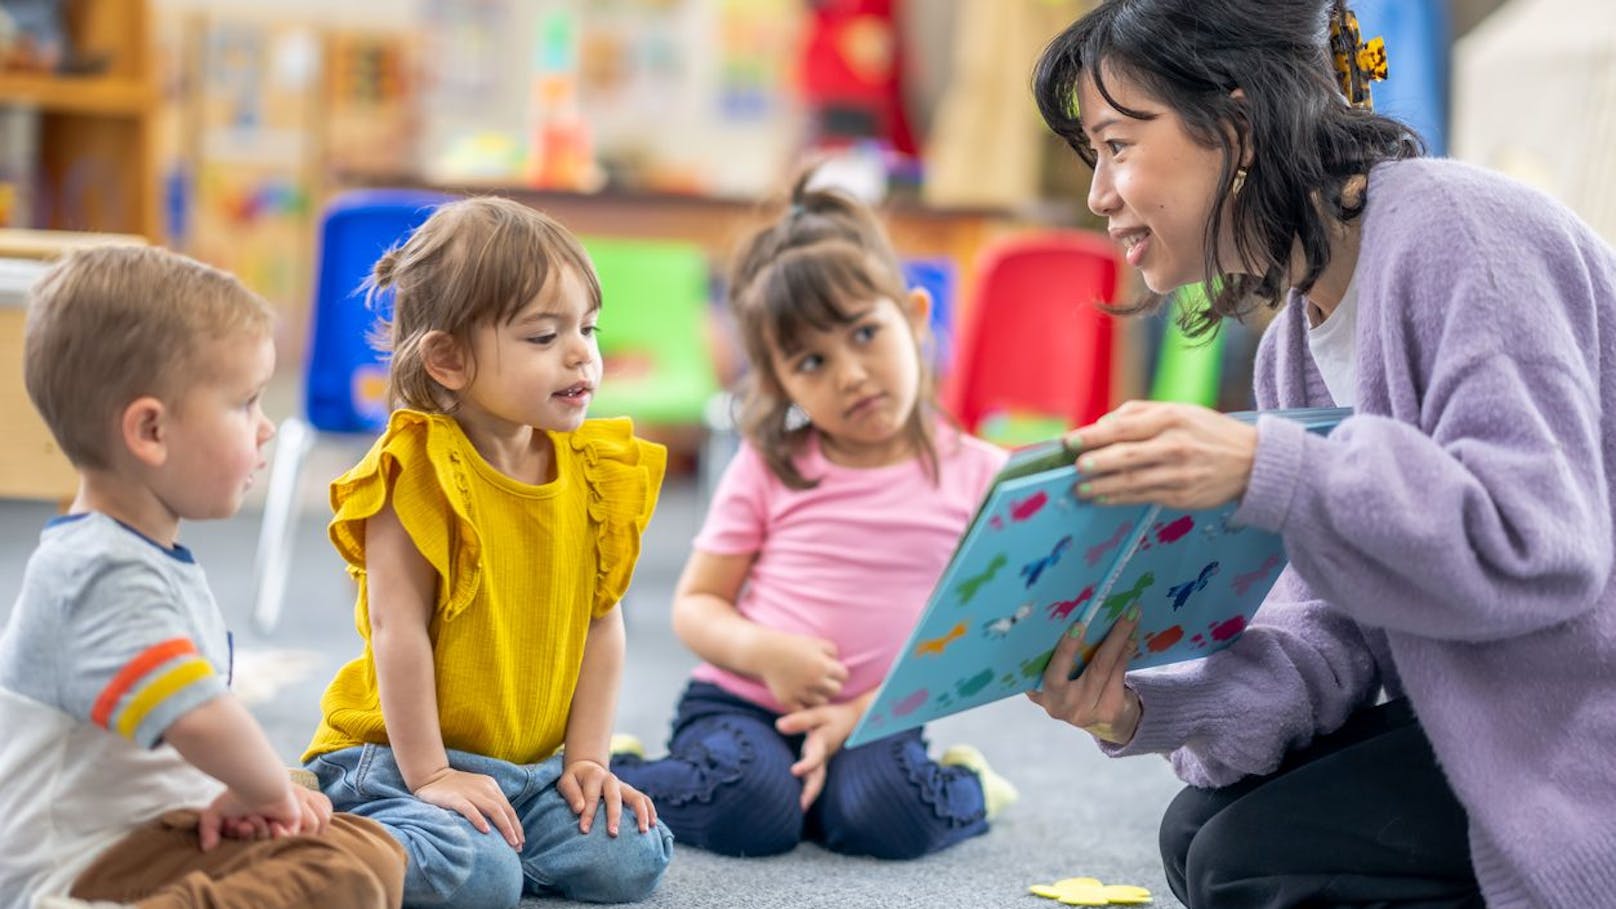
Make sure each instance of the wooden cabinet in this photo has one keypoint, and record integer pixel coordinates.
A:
(96, 170)
(31, 464)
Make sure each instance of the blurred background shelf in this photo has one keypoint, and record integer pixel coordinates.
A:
(102, 95)
(95, 168)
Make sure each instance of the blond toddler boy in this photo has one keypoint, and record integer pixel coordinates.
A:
(131, 772)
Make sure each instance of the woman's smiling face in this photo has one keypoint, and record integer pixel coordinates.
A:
(1153, 183)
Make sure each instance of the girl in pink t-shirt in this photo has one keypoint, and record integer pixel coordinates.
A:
(824, 539)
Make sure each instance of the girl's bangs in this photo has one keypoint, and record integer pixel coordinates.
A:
(810, 289)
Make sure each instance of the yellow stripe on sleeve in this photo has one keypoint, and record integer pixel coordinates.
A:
(186, 673)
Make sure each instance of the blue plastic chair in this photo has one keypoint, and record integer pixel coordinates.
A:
(344, 378)
(940, 278)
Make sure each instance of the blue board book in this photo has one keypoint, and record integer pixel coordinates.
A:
(1036, 558)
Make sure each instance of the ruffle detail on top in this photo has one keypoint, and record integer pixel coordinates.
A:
(624, 477)
(419, 465)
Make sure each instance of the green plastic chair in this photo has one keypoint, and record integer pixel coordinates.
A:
(1188, 370)
(653, 331)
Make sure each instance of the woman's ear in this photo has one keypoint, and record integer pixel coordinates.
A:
(1238, 141)
(142, 429)
(446, 360)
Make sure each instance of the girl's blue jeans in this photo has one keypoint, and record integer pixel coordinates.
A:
(726, 786)
(452, 864)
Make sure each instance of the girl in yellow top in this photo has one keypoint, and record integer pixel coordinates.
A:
(492, 530)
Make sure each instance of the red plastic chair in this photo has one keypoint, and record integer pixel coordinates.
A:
(1034, 354)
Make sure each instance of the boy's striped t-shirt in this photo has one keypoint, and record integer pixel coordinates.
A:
(134, 637)
(112, 639)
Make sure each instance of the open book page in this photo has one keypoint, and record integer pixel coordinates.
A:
(1029, 565)
(1037, 559)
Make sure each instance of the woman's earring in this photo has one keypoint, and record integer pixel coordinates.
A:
(1239, 181)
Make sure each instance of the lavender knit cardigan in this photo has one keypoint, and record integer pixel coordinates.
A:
(1451, 542)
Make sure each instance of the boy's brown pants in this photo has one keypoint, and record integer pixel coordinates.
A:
(353, 864)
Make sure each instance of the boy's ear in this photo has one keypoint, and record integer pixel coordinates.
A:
(143, 430)
(919, 309)
(445, 360)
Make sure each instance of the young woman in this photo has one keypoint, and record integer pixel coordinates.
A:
(1423, 712)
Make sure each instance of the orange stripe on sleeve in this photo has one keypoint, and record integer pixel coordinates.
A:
(149, 659)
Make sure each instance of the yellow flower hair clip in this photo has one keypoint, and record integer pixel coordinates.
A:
(1357, 63)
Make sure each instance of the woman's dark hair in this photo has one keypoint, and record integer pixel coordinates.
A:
(1305, 140)
(823, 251)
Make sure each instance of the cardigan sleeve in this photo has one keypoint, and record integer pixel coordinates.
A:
(1299, 671)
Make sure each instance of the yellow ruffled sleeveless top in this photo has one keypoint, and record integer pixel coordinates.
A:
(521, 572)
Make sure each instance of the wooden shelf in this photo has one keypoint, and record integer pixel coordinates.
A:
(96, 172)
(101, 95)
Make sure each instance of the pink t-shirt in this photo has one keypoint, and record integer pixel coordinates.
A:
(851, 560)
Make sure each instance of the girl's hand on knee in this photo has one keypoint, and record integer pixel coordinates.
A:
(585, 784)
(1097, 701)
(1179, 455)
(824, 730)
(640, 803)
(476, 797)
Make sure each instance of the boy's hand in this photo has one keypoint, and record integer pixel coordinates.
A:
(316, 818)
(316, 810)
(585, 783)
(826, 728)
(229, 816)
(801, 671)
(478, 798)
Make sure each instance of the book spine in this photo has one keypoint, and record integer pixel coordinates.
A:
(1140, 531)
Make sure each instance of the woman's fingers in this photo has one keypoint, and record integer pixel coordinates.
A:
(1086, 700)
(1133, 421)
(1116, 650)
(1058, 674)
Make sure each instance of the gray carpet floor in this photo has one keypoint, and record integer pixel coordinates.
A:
(1080, 814)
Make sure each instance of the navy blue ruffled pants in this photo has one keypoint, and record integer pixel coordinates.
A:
(726, 786)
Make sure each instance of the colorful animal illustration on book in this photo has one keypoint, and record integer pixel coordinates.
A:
(1158, 641)
(936, 646)
(1033, 667)
(1220, 528)
(1026, 508)
(1061, 610)
(1001, 626)
(1180, 593)
(970, 686)
(1169, 532)
(911, 703)
(1243, 582)
(1228, 628)
(1097, 552)
(1033, 570)
(1117, 602)
(969, 586)
(1174, 531)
